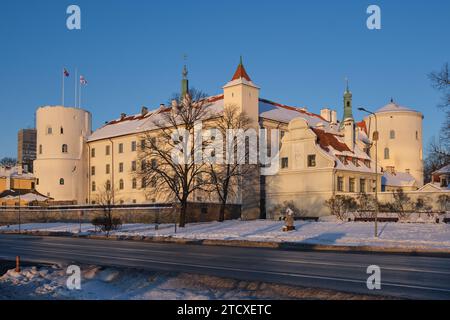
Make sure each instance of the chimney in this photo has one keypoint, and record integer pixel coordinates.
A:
(144, 111)
(333, 116)
(349, 133)
(122, 116)
(162, 105)
(326, 114)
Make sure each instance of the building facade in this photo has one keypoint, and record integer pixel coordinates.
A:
(26, 148)
(319, 156)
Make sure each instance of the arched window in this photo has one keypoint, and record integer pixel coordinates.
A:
(386, 153)
(108, 185)
(64, 148)
(61, 130)
(93, 186)
(121, 184)
(392, 134)
(61, 181)
(134, 183)
(40, 149)
(417, 135)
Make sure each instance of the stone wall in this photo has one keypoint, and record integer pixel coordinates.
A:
(197, 212)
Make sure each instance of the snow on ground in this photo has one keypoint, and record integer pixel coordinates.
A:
(49, 282)
(405, 235)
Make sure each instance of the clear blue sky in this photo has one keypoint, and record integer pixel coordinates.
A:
(298, 52)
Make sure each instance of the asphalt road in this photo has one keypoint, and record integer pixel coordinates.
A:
(401, 276)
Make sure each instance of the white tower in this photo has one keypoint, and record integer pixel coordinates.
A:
(61, 156)
(400, 139)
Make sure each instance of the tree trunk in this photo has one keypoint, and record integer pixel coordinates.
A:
(222, 212)
(183, 214)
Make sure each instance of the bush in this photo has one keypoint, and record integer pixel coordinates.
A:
(401, 204)
(444, 202)
(366, 205)
(106, 223)
(341, 205)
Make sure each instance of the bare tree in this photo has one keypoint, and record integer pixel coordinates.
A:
(225, 177)
(8, 162)
(401, 203)
(167, 156)
(340, 206)
(105, 199)
(440, 152)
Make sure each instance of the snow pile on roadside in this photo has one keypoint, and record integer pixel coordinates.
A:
(116, 283)
(405, 235)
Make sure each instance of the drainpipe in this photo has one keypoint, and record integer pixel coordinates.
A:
(112, 170)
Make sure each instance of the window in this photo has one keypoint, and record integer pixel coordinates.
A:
(121, 184)
(351, 184)
(284, 163)
(311, 160)
(93, 153)
(120, 147)
(93, 186)
(142, 144)
(108, 185)
(154, 163)
(49, 130)
(61, 181)
(417, 135)
(134, 183)
(133, 165)
(107, 150)
(61, 130)
(37, 181)
(340, 184)
(93, 171)
(40, 149)
(386, 153)
(362, 185)
(143, 183)
(348, 103)
(143, 165)
(355, 162)
(133, 146)
(121, 167)
(108, 168)
(64, 148)
(392, 134)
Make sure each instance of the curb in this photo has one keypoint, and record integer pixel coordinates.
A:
(294, 246)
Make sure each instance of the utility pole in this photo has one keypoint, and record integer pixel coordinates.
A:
(375, 141)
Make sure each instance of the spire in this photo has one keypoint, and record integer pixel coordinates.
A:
(184, 82)
(240, 72)
(348, 113)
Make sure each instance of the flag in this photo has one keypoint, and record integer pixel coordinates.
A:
(83, 81)
(66, 73)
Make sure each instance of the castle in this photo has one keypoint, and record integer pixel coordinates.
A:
(319, 155)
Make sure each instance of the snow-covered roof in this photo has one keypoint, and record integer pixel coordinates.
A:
(443, 170)
(13, 172)
(394, 107)
(398, 179)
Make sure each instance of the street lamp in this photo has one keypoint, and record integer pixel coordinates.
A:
(375, 139)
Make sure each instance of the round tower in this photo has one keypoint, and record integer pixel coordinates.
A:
(61, 156)
(400, 139)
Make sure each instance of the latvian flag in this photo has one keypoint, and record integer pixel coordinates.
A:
(66, 73)
(83, 81)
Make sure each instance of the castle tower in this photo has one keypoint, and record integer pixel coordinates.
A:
(400, 139)
(61, 165)
(243, 93)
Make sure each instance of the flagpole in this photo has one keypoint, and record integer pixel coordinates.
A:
(63, 75)
(79, 95)
(76, 78)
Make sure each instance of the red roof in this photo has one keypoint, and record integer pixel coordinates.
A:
(326, 139)
(362, 125)
(241, 73)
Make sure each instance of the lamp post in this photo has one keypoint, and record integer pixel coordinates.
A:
(375, 139)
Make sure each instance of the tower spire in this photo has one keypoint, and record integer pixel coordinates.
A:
(348, 112)
(184, 82)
